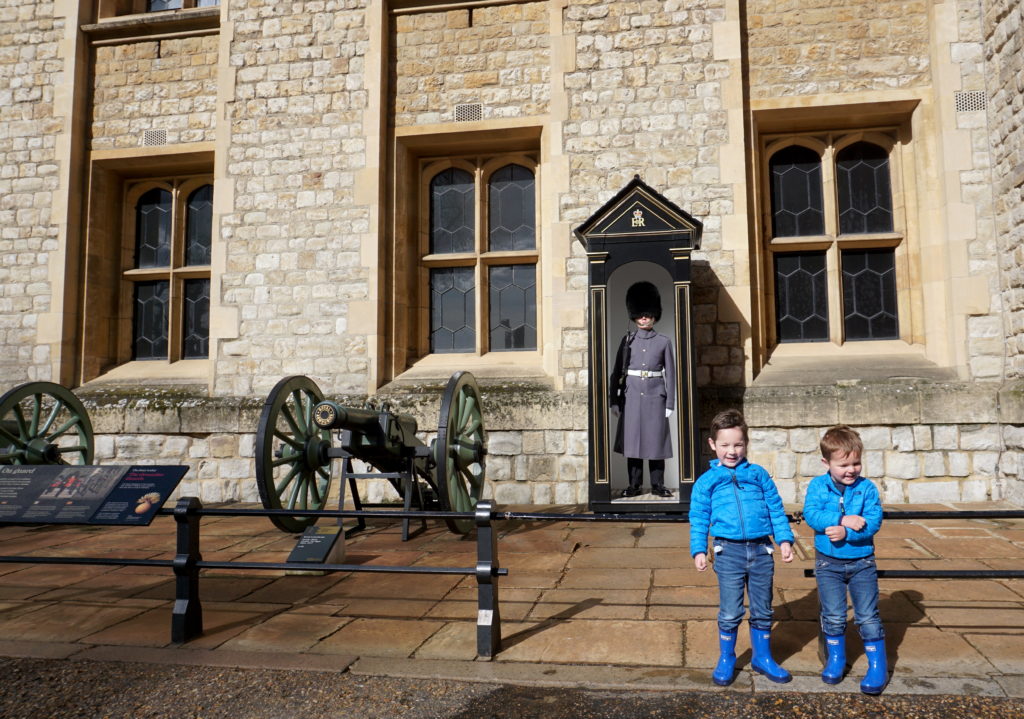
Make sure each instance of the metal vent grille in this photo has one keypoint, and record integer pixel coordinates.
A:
(469, 113)
(154, 137)
(971, 101)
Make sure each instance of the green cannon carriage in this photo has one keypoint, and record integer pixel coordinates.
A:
(294, 452)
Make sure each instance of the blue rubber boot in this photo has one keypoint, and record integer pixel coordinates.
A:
(762, 662)
(725, 670)
(878, 668)
(835, 663)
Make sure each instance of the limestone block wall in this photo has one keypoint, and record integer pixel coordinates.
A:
(296, 231)
(31, 66)
(923, 443)
(1004, 50)
(820, 46)
(168, 85)
(496, 56)
(646, 96)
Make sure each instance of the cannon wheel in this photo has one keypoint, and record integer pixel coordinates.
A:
(43, 423)
(292, 471)
(459, 449)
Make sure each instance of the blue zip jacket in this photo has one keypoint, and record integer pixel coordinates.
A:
(824, 506)
(737, 503)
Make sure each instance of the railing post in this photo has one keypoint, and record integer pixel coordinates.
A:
(187, 618)
(488, 616)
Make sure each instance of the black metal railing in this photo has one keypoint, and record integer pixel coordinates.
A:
(187, 615)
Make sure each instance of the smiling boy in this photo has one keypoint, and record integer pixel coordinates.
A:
(844, 510)
(738, 503)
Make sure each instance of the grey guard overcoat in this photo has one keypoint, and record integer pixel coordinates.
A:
(643, 430)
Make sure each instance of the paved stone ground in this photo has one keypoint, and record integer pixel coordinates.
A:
(585, 605)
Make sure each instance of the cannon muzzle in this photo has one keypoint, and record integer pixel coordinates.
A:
(331, 415)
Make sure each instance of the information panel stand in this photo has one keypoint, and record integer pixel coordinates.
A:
(85, 494)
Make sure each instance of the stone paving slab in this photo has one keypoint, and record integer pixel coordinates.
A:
(585, 604)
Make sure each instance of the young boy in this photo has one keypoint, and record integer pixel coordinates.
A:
(738, 501)
(845, 512)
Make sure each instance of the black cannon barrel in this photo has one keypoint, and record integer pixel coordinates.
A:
(331, 415)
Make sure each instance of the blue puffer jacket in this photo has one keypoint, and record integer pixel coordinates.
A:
(824, 507)
(739, 503)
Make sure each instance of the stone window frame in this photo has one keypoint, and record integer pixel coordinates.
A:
(108, 273)
(827, 144)
(120, 8)
(482, 167)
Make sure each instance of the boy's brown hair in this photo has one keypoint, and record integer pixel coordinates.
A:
(728, 419)
(841, 438)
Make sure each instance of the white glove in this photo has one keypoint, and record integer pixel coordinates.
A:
(615, 410)
(668, 413)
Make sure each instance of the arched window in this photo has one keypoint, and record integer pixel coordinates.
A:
(833, 256)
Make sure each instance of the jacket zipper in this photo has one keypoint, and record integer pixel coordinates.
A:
(739, 505)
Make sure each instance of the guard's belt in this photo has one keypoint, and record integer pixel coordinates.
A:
(645, 373)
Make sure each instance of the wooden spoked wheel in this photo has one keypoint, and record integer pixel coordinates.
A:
(43, 423)
(292, 468)
(460, 449)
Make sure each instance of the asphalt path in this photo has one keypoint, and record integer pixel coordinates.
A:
(38, 688)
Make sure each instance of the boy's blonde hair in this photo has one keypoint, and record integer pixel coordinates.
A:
(728, 419)
(841, 438)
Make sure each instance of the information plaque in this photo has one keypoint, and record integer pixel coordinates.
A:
(84, 494)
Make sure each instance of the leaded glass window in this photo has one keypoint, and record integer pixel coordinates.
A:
(801, 297)
(869, 294)
(452, 212)
(196, 316)
(150, 320)
(513, 318)
(169, 277)
(158, 5)
(484, 300)
(199, 226)
(452, 310)
(512, 209)
(865, 194)
(797, 203)
(833, 237)
(153, 229)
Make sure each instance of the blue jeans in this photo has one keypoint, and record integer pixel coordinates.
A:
(738, 565)
(860, 577)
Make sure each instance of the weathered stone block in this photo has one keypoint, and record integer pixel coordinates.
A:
(883, 404)
(504, 443)
(512, 493)
(785, 465)
(946, 436)
(903, 439)
(975, 490)
(953, 403)
(901, 465)
(804, 440)
(934, 464)
(532, 442)
(790, 406)
(959, 464)
(984, 463)
(892, 491)
(922, 437)
(875, 437)
(979, 437)
(925, 491)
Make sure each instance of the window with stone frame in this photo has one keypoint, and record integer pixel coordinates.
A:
(165, 281)
(159, 5)
(837, 268)
(116, 8)
(478, 254)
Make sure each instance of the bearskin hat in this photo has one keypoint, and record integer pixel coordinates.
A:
(642, 298)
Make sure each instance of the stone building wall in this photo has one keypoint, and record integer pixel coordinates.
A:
(294, 235)
(646, 98)
(30, 67)
(932, 443)
(496, 56)
(168, 85)
(819, 47)
(1004, 64)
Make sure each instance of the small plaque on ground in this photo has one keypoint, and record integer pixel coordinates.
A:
(319, 545)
